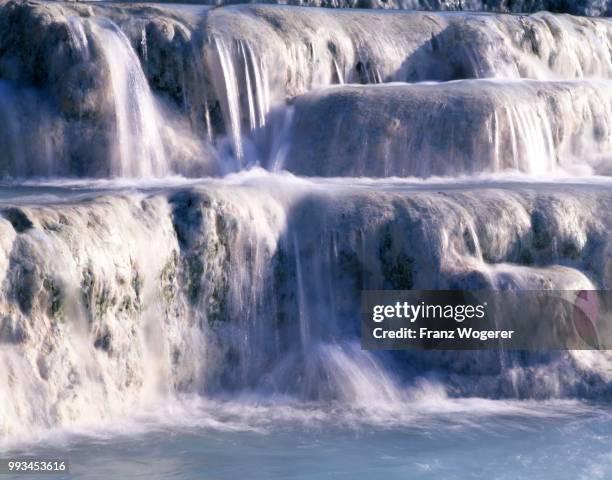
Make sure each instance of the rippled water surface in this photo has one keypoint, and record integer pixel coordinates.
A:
(474, 439)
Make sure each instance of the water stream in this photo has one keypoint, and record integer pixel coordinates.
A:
(192, 200)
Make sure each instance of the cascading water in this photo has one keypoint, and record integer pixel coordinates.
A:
(131, 275)
(86, 109)
(139, 144)
(467, 126)
(10, 120)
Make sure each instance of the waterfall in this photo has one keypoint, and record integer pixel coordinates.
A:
(12, 128)
(193, 200)
(241, 76)
(140, 151)
(257, 88)
(228, 83)
(79, 36)
(254, 286)
(539, 128)
(236, 83)
(302, 306)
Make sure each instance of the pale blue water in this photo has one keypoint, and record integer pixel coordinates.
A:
(526, 441)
